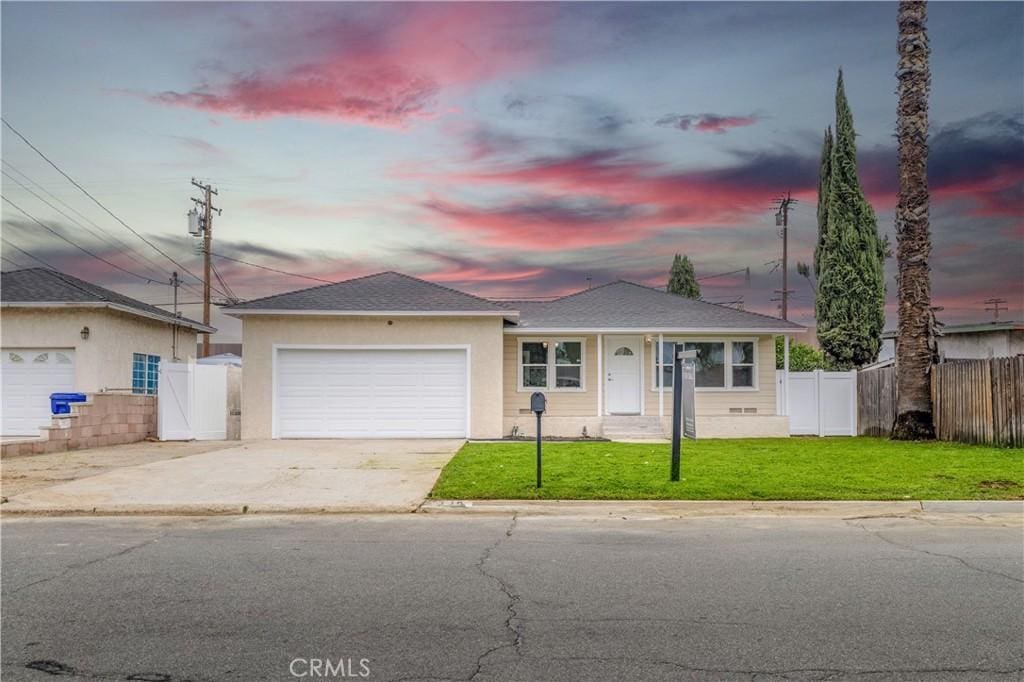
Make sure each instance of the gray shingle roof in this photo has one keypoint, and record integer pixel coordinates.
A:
(383, 292)
(40, 285)
(626, 305)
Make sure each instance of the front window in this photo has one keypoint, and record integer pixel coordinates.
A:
(719, 364)
(145, 373)
(553, 365)
(568, 364)
(535, 364)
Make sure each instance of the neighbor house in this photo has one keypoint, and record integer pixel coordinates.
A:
(972, 341)
(392, 356)
(60, 334)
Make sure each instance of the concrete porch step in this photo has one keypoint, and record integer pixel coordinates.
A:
(632, 428)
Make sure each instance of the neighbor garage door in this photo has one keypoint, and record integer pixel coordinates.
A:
(29, 377)
(385, 393)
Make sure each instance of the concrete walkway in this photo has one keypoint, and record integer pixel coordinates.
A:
(258, 477)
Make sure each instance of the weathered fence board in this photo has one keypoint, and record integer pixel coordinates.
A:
(876, 401)
(973, 401)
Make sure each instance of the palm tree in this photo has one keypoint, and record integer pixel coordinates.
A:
(914, 349)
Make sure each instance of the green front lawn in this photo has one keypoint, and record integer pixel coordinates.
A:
(748, 469)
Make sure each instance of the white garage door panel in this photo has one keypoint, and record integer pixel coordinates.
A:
(28, 377)
(407, 393)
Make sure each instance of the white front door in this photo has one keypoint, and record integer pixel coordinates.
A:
(622, 380)
(28, 377)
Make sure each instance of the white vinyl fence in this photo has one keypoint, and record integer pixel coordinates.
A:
(192, 402)
(819, 403)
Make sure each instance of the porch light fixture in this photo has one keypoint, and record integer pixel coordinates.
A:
(84, 333)
(544, 343)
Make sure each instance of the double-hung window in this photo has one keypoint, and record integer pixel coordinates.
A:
(145, 373)
(722, 365)
(555, 364)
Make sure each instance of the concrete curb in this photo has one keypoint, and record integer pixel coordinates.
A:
(694, 508)
(596, 509)
(202, 510)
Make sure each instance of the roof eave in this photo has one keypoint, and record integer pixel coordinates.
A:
(657, 330)
(241, 312)
(181, 322)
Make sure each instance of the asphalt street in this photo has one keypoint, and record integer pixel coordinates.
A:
(421, 597)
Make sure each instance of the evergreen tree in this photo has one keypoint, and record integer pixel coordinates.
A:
(824, 179)
(682, 281)
(851, 279)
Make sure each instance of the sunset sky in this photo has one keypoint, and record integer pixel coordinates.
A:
(504, 149)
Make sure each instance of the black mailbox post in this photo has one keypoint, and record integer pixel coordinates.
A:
(538, 403)
(682, 381)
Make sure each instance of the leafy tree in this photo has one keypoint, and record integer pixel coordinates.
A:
(850, 301)
(803, 357)
(914, 344)
(681, 280)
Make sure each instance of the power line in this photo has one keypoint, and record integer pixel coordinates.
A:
(997, 306)
(8, 260)
(109, 241)
(270, 269)
(98, 202)
(103, 235)
(148, 280)
(18, 248)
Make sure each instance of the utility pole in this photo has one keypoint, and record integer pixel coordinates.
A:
(206, 204)
(175, 282)
(782, 220)
(996, 304)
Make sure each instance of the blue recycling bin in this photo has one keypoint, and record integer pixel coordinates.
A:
(60, 403)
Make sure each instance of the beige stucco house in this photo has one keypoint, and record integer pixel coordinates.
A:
(59, 333)
(391, 355)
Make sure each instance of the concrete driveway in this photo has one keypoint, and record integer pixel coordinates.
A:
(258, 476)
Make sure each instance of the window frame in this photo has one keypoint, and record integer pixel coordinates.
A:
(551, 378)
(150, 376)
(728, 387)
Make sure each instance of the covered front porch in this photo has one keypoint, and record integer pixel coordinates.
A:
(617, 383)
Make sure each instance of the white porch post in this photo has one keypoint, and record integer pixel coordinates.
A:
(643, 396)
(785, 367)
(600, 375)
(661, 376)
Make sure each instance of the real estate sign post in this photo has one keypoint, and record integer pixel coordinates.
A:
(684, 421)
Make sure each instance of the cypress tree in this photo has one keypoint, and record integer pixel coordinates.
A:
(681, 280)
(851, 280)
(824, 178)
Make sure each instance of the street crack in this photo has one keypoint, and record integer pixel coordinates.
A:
(961, 560)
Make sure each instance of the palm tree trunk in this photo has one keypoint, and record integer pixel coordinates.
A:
(914, 351)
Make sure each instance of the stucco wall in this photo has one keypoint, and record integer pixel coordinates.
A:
(982, 345)
(104, 360)
(482, 334)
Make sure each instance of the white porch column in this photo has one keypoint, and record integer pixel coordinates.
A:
(785, 367)
(661, 376)
(643, 395)
(600, 375)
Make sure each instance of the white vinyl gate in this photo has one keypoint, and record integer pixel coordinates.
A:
(192, 402)
(819, 403)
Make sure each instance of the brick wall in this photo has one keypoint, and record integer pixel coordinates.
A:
(105, 419)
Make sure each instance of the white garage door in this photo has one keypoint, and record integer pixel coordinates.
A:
(408, 393)
(29, 377)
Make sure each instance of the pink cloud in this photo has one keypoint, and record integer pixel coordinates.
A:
(706, 123)
(387, 70)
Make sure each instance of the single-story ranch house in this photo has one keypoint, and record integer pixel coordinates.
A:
(392, 356)
(61, 334)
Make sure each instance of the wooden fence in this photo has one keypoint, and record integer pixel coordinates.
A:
(876, 401)
(974, 401)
